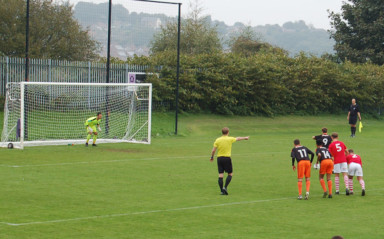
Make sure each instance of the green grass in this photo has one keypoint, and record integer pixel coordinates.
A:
(169, 189)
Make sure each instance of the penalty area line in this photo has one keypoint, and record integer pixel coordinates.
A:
(127, 160)
(143, 212)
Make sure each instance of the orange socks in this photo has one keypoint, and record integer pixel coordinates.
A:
(330, 186)
(300, 185)
(307, 185)
(322, 182)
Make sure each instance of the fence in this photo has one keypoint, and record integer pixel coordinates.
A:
(12, 69)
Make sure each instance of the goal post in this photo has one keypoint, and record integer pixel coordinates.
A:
(45, 113)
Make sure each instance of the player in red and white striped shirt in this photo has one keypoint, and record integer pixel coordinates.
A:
(339, 152)
(355, 169)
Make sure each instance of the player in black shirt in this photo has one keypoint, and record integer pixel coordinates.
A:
(325, 138)
(300, 153)
(326, 167)
(353, 113)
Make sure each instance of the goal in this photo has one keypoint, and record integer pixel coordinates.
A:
(44, 113)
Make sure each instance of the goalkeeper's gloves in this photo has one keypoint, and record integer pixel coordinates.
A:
(90, 129)
(99, 128)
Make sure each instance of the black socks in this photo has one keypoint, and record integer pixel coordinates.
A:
(221, 183)
(228, 180)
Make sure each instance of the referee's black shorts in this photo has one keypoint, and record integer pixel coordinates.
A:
(224, 164)
(353, 120)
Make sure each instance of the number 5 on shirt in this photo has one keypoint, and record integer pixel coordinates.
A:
(338, 147)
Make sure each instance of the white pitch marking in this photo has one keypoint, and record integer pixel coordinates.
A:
(144, 212)
(123, 160)
(153, 211)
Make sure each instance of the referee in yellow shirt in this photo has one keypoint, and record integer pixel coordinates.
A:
(224, 163)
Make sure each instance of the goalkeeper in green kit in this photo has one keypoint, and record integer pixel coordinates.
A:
(90, 125)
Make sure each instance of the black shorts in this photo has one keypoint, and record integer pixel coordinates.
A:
(352, 120)
(224, 164)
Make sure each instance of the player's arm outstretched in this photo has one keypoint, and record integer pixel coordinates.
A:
(242, 138)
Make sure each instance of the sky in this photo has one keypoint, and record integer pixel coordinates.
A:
(259, 12)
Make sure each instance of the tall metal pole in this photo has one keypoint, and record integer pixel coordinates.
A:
(25, 113)
(108, 67)
(27, 44)
(178, 55)
(178, 67)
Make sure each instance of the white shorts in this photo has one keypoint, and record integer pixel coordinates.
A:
(355, 169)
(340, 168)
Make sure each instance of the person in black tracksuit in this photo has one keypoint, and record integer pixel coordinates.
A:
(353, 113)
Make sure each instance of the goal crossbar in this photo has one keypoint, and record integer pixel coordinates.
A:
(86, 84)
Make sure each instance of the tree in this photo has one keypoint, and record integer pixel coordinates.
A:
(359, 31)
(197, 35)
(247, 43)
(54, 33)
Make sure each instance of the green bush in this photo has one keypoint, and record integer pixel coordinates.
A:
(269, 83)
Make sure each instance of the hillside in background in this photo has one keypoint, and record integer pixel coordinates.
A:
(132, 32)
(291, 36)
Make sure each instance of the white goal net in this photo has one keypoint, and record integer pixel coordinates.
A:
(43, 113)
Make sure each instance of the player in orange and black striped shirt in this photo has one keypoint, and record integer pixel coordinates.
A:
(300, 153)
(326, 167)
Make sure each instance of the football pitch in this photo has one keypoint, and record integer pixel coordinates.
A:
(169, 189)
